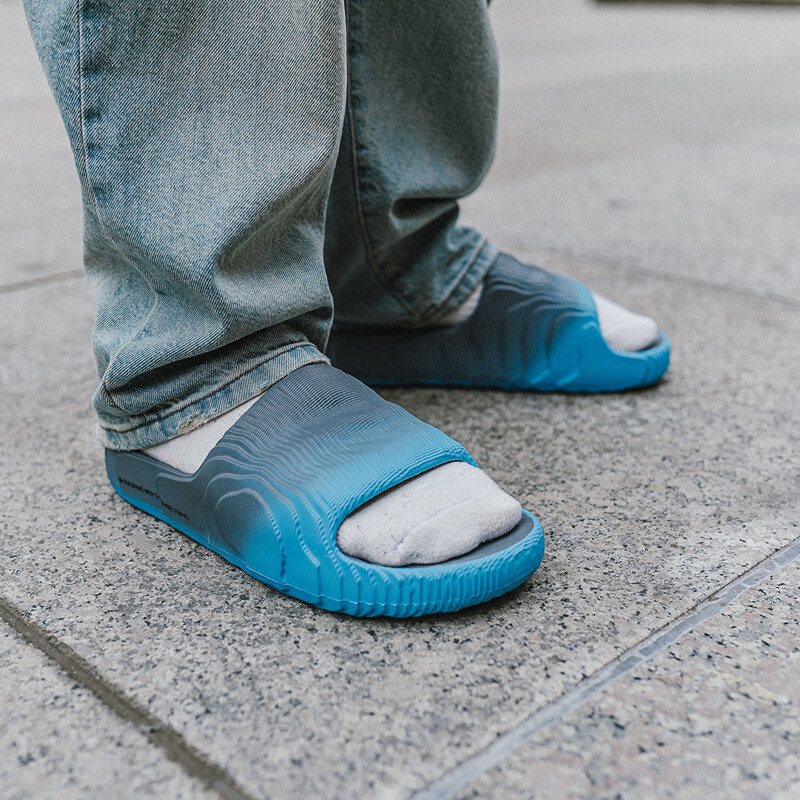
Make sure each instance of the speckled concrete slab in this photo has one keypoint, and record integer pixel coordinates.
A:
(650, 501)
(661, 138)
(58, 741)
(40, 219)
(714, 716)
(583, 83)
(697, 211)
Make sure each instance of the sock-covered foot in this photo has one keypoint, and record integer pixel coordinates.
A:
(438, 515)
(622, 329)
(523, 329)
(431, 518)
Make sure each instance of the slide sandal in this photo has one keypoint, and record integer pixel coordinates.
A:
(531, 330)
(271, 495)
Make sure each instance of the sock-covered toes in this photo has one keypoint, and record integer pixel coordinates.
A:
(438, 515)
(622, 329)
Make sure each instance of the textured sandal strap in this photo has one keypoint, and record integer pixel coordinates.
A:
(321, 439)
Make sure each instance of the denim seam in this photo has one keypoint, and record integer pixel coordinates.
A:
(94, 201)
(214, 391)
(371, 261)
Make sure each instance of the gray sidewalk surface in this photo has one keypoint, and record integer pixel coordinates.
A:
(652, 152)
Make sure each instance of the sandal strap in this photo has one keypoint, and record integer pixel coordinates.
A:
(321, 441)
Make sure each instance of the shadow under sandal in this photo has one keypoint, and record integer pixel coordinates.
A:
(531, 329)
(272, 493)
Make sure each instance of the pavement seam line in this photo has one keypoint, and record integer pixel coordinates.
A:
(694, 282)
(44, 280)
(159, 734)
(502, 748)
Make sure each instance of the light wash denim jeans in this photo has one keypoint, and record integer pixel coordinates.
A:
(248, 166)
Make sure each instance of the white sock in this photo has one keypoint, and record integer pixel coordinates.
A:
(622, 329)
(188, 451)
(438, 515)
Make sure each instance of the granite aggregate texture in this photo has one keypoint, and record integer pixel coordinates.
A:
(655, 138)
(649, 501)
(672, 212)
(716, 715)
(59, 741)
(583, 84)
(648, 152)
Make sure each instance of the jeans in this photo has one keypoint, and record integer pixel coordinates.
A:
(247, 168)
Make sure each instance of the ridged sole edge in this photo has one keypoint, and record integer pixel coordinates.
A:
(483, 587)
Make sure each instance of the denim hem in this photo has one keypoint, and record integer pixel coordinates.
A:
(143, 432)
(466, 283)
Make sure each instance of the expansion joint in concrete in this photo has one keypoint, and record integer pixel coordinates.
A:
(44, 280)
(159, 734)
(473, 768)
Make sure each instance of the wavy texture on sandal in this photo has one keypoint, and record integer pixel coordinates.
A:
(532, 329)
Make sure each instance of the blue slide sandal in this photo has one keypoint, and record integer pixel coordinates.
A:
(531, 330)
(271, 495)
